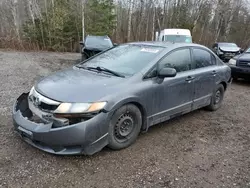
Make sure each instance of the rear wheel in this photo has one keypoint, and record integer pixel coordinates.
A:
(125, 126)
(217, 98)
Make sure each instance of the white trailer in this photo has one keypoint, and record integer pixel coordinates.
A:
(174, 35)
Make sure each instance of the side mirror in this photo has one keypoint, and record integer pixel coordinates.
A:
(215, 48)
(115, 44)
(166, 72)
(242, 50)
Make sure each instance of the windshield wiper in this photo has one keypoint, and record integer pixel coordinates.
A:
(103, 69)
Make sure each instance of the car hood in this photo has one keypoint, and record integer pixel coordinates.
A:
(243, 57)
(229, 49)
(97, 46)
(78, 85)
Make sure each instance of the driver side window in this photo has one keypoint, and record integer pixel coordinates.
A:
(179, 60)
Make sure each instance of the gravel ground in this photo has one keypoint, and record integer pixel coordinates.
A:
(200, 149)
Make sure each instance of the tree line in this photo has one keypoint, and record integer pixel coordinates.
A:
(59, 25)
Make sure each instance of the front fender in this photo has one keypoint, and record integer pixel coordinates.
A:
(135, 100)
(111, 106)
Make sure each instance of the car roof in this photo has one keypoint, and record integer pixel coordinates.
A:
(176, 31)
(98, 36)
(166, 44)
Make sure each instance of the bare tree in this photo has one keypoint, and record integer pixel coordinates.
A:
(130, 19)
(14, 11)
(209, 20)
(30, 8)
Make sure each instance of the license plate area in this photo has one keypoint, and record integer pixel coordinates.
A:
(25, 133)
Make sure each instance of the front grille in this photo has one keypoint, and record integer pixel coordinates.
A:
(47, 107)
(42, 102)
(42, 105)
(244, 64)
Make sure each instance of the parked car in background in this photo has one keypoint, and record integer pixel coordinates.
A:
(109, 99)
(174, 35)
(93, 45)
(226, 50)
(240, 65)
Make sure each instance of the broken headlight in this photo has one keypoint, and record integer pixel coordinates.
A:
(232, 62)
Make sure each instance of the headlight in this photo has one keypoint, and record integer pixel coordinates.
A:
(232, 62)
(77, 108)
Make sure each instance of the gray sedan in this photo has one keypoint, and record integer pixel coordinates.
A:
(110, 98)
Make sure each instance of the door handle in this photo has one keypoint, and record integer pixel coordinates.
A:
(190, 78)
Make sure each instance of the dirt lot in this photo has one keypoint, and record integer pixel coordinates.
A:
(200, 149)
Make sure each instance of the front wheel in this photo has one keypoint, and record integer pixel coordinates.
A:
(125, 126)
(217, 98)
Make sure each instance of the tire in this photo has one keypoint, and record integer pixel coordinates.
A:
(217, 98)
(124, 127)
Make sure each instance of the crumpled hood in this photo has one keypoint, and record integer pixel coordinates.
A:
(74, 85)
(229, 49)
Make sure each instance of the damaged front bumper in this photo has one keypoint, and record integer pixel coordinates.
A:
(87, 137)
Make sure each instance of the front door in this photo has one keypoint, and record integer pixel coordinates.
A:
(175, 94)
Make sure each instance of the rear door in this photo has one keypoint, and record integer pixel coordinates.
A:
(205, 72)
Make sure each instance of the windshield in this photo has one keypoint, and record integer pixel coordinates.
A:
(178, 38)
(227, 45)
(98, 42)
(248, 50)
(125, 59)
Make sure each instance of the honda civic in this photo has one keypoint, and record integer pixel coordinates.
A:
(108, 99)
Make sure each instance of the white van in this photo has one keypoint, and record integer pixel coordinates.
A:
(174, 35)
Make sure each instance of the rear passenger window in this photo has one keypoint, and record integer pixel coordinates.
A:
(202, 58)
(179, 59)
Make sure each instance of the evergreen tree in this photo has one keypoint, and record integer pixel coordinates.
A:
(60, 28)
(100, 17)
